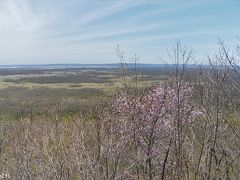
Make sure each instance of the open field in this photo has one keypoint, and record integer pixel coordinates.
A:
(24, 92)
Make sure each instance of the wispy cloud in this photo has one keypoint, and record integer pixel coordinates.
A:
(19, 15)
(33, 31)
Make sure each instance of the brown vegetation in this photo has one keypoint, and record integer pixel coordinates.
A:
(110, 142)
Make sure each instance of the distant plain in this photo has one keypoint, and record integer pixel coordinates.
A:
(28, 92)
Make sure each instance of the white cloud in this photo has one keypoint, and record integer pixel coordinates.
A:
(17, 15)
(43, 31)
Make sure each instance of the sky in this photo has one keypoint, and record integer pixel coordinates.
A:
(88, 31)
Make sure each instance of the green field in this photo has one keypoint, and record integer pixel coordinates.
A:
(29, 92)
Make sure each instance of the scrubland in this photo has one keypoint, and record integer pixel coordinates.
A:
(177, 122)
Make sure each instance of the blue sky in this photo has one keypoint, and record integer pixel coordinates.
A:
(88, 31)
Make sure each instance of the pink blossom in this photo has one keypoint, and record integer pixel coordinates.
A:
(150, 118)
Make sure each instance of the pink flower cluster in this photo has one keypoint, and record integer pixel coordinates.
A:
(153, 116)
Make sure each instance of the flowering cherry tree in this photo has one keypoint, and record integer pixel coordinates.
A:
(149, 121)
